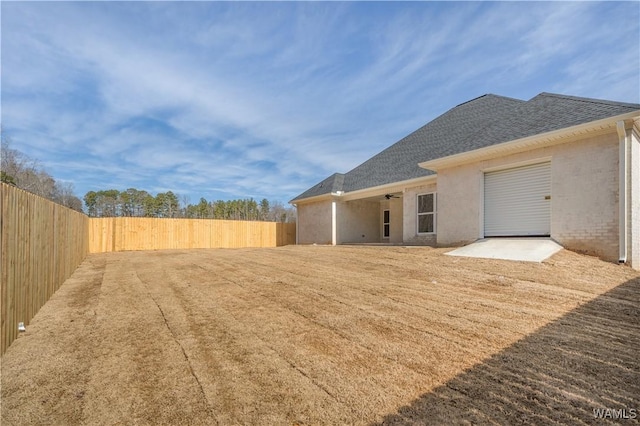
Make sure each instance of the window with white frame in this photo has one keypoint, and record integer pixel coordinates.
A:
(427, 213)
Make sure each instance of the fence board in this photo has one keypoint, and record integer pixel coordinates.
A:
(42, 244)
(141, 233)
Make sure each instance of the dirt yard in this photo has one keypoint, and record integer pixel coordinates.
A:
(329, 335)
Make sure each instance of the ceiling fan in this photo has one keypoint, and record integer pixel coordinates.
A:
(389, 196)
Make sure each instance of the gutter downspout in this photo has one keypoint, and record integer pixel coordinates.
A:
(622, 192)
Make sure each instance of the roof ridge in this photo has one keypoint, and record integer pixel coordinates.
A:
(488, 95)
(590, 100)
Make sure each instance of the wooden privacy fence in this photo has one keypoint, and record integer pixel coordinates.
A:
(141, 233)
(42, 244)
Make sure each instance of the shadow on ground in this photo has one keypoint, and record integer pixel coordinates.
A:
(588, 359)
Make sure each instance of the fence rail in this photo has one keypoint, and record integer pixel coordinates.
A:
(42, 244)
(139, 233)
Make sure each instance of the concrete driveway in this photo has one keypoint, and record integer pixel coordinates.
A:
(525, 249)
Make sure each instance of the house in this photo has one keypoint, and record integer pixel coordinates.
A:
(555, 165)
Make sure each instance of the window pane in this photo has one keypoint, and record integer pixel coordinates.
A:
(422, 205)
(386, 216)
(425, 203)
(386, 231)
(425, 223)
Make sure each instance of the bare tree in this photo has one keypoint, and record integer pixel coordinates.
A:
(25, 173)
(65, 195)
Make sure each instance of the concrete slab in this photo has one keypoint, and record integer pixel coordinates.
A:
(525, 249)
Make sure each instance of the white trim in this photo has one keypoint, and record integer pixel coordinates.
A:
(435, 213)
(334, 227)
(527, 143)
(622, 191)
(313, 199)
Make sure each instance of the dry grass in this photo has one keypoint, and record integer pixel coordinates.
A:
(328, 335)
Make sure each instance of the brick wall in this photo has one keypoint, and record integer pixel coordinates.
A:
(584, 209)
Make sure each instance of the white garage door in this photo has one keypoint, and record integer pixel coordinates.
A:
(517, 201)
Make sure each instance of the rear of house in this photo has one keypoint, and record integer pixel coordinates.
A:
(555, 165)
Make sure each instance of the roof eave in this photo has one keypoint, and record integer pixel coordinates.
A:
(387, 188)
(367, 192)
(313, 199)
(527, 143)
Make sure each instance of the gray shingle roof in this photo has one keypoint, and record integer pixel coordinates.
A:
(333, 183)
(481, 122)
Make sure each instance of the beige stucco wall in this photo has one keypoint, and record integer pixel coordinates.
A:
(358, 222)
(633, 249)
(314, 223)
(584, 191)
(409, 214)
(396, 231)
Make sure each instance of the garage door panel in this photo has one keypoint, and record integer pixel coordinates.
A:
(516, 201)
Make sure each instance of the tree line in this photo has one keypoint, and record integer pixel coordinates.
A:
(139, 203)
(19, 170)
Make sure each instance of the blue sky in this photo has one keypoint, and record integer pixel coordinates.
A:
(228, 100)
